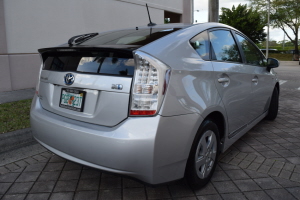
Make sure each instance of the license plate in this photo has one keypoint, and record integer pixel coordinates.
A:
(72, 99)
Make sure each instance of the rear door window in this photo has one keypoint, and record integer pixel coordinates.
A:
(223, 46)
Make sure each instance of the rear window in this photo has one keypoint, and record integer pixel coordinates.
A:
(201, 45)
(106, 63)
(130, 37)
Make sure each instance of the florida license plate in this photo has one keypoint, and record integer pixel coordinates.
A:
(72, 99)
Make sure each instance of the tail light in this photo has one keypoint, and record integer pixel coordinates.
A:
(149, 85)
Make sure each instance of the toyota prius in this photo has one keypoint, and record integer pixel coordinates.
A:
(156, 103)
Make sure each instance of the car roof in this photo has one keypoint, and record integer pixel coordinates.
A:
(170, 25)
(178, 25)
(198, 26)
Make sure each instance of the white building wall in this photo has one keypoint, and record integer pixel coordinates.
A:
(33, 24)
(27, 25)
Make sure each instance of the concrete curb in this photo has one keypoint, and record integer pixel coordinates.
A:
(16, 95)
(16, 139)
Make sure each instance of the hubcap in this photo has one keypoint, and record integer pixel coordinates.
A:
(206, 154)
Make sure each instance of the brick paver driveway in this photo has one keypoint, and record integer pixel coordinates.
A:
(264, 164)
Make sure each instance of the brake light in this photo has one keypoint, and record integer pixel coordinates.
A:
(149, 84)
(142, 112)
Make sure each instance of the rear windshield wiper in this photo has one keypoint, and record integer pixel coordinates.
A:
(81, 38)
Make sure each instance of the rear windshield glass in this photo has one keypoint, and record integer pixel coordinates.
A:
(107, 63)
(129, 37)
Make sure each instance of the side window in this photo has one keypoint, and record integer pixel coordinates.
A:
(224, 47)
(252, 54)
(200, 44)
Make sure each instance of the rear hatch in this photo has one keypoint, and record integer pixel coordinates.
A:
(87, 84)
(89, 79)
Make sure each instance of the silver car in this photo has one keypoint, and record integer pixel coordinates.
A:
(155, 103)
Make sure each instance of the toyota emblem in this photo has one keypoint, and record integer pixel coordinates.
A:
(69, 79)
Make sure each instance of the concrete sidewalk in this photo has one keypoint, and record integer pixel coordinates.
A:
(16, 95)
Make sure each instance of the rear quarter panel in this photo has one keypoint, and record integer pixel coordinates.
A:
(191, 87)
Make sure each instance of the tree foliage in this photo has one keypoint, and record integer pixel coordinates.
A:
(248, 21)
(284, 14)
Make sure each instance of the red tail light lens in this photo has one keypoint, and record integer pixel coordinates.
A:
(142, 112)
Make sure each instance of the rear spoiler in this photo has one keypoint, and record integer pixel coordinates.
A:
(124, 49)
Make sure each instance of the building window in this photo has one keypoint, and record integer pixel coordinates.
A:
(171, 17)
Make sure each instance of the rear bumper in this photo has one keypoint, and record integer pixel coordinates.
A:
(152, 149)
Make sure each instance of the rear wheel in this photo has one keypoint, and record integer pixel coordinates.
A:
(273, 108)
(203, 156)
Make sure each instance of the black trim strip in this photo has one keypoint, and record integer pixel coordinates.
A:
(237, 131)
(245, 126)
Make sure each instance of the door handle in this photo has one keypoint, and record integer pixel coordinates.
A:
(223, 80)
(254, 80)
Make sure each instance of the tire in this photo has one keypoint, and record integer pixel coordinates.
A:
(273, 108)
(203, 156)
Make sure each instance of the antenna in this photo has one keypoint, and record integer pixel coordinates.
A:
(151, 23)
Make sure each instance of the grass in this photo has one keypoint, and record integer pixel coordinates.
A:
(14, 115)
(281, 56)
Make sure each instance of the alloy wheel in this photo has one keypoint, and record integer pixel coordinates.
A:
(206, 154)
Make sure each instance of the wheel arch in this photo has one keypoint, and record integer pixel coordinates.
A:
(278, 87)
(219, 119)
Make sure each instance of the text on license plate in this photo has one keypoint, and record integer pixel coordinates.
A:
(72, 99)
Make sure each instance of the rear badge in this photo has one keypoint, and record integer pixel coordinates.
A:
(117, 86)
(69, 79)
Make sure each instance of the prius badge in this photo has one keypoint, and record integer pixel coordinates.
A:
(69, 79)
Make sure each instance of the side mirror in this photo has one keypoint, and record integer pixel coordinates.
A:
(272, 63)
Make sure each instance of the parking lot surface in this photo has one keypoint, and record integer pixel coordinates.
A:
(263, 164)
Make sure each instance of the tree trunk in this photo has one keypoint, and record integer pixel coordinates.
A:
(213, 11)
(296, 52)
